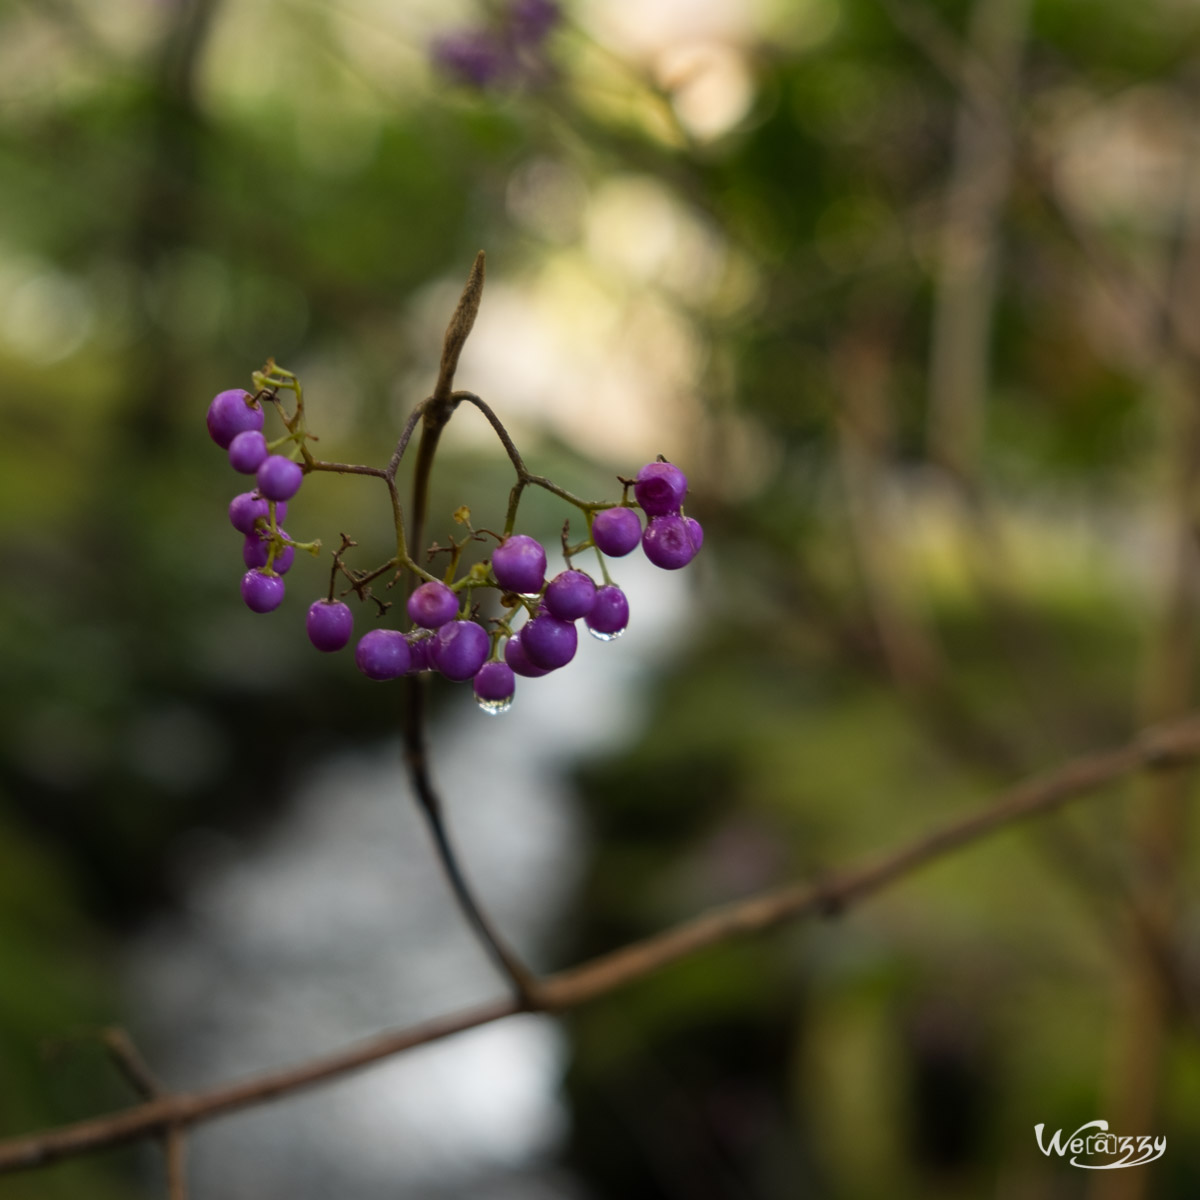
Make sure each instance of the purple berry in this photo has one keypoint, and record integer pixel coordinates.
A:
(609, 615)
(245, 509)
(459, 649)
(257, 546)
(515, 656)
(519, 564)
(419, 645)
(660, 488)
(262, 593)
(329, 624)
(570, 595)
(696, 530)
(532, 20)
(549, 642)
(247, 451)
(279, 478)
(382, 654)
(432, 605)
(230, 413)
(494, 686)
(472, 56)
(616, 531)
(668, 543)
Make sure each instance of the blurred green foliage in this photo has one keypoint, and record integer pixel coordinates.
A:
(189, 188)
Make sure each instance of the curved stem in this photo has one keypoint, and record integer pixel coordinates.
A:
(416, 758)
(524, 475)
(405, 436)
(435, 413)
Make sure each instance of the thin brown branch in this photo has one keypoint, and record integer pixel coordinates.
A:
(510, 447)
(864, 429)
(175, 1145)
(130, 1063)
(1166, 746)
(525, 984)
(133, 1066)
(435, 413)
(405, 436)
(967, 273)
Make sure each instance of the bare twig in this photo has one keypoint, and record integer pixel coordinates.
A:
(1160, 823)
(136, 1070)
(863, 435)
(435, 413)
(968, 256)
(1165, 746)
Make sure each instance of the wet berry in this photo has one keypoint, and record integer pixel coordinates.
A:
(609, 615)
(230, 413)
(616, 531)
(262, 593)
(459, 649)
(329, 625)
(549, 642)
(660, 488)
(247, 451)
(279, 478)
(432, 604)
(382, 654)
(570, 595)
(668, 543)
(519, 564)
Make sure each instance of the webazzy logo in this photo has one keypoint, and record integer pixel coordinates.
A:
(1133, 1151)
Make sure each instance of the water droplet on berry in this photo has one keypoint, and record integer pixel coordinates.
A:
(494, 708)
(605, 637)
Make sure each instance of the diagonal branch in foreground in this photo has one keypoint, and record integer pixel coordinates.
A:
(1165, 746)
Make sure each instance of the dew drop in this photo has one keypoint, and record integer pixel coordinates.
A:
(605, 637)
(494, 708)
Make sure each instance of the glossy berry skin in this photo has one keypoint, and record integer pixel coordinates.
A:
(247, 451)
(432, 604)
(245, 509)
(419, 653)
(515, 656)
(548, 642)
(494, 681)
(329, 625)
(382, 654)
(279, 478)
(668, 543)
(610, 613)
(519, 564)
(459, 649)
(660, 488)
(256, 548)
(696, 530)
(616, 531)
(229, 415)
(262, 593)
(570, 595)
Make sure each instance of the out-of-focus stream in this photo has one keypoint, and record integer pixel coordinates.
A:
(339, 924)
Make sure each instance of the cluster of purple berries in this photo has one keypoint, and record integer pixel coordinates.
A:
(235, 423)
(446, 641)
(443, 636)
(503, 52)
